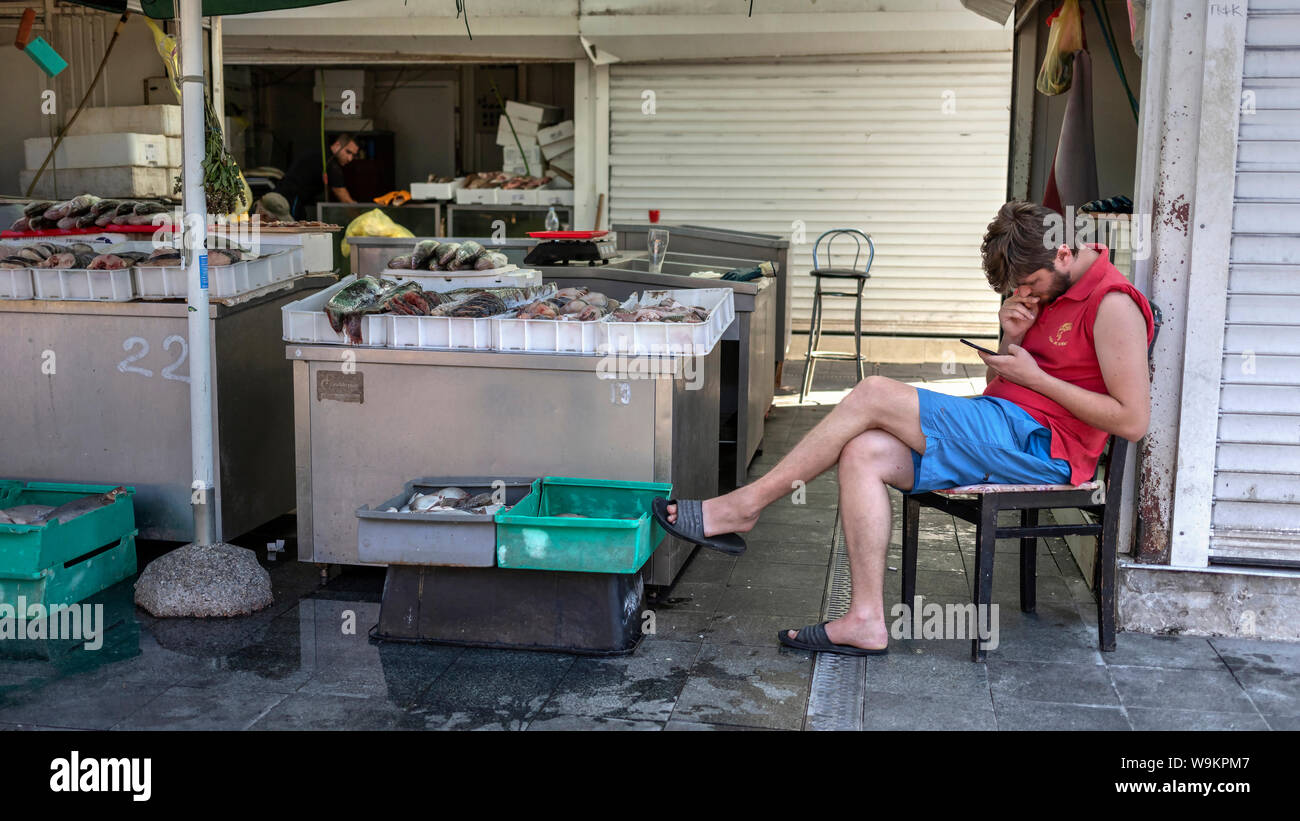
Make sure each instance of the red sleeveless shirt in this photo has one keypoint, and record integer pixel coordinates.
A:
(1062, 343)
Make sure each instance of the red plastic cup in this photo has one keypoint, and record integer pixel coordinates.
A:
(654, 215)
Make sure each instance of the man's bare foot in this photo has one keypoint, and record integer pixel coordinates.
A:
(721, 515)
(855, 633)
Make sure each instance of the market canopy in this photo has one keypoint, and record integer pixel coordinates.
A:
(165, 10)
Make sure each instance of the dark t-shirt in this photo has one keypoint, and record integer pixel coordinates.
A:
(302, 185)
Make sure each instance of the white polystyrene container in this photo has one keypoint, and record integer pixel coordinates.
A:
(16, 283)
(84, 285)
(306, 321)
(672, 337)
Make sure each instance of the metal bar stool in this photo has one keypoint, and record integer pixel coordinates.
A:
(851, 273)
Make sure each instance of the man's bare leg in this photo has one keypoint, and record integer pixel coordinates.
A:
(877, 402)
(868, 464)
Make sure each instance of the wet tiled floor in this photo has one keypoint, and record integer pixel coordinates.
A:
(712, 663)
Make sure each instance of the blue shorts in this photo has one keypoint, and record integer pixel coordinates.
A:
(981, 440)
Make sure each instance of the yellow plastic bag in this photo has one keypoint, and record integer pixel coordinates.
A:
(1063, 40)
(373, 223)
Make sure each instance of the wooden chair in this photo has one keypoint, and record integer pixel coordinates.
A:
(979, 505)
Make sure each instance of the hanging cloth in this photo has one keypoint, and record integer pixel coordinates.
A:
(1073, 178)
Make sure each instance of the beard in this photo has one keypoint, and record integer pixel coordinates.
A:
(1060, 284)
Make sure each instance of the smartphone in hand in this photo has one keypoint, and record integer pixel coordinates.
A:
(979, 347)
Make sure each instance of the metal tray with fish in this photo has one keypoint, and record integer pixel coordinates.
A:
(462, 538)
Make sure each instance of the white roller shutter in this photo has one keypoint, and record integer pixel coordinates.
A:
(1256, 514)
(910, 149)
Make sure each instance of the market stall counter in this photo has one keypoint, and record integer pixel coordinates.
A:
(97, 392)
(728, 242)
(368, 419)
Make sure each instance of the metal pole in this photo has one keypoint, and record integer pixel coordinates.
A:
(193, 136)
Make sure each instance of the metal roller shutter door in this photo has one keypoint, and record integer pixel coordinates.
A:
(1256, 514)
(911, 149)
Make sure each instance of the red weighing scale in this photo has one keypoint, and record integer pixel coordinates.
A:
(563, 247)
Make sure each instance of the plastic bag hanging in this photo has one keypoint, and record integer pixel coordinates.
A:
(1063, 40)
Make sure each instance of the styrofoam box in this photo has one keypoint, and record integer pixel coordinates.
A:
(517, 196)
(477, 196)
(673, 338)
(305, 320)
(512, 157)
(132, 119)
(557, 149)
(510, 276)
(564, 162)
(547, 335)
(172, 281)
(554, 196)
(317, 247)
(119, 182)
(100, 151)
(16, 283)
(435, 190)
(559, 131)
(526, 131)
(83, 285)
(533, 112)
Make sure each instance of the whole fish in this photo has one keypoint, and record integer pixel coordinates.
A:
(15, 261)
(36, 209)
(69, 260)
(122, 259)
(68, 511)
(25, 514)
(425, 250)
(22, 224)
(346, 307)
(226, 256)
(468, 252)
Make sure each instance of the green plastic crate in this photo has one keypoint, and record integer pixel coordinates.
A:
(617, 534)
(56, 563)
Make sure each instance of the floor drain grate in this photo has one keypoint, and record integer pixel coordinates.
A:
(839, 683)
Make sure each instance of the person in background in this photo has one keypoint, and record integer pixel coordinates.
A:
(273, 207)
(303, 185)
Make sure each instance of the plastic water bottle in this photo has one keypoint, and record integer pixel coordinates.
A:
(552, 220)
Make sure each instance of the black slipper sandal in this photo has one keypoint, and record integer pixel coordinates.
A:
(690, 525)
(814, 638)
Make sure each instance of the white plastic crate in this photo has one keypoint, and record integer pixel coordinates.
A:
(305, 320)
(510, 276)
(80, 284)
(547, 335)
(171, 282)
(517, 196)
(463, 333)
(16, 283)
(672, 337)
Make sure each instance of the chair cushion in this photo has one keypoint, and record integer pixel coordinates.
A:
(976, 489)
(846, 273)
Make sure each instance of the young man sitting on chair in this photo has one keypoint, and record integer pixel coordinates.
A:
(1071, 370)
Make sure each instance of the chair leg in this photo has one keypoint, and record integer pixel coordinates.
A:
(986, 537)
(814, 332)
(911, 520)
(857, 328)
(1028, 563)
(1104, 579)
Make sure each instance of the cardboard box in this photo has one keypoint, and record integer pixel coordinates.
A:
(557, 148)
(533, 112)
(100, 151)
(129, 119)
(560, 131)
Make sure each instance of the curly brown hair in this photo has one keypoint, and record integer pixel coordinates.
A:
(1015, 244)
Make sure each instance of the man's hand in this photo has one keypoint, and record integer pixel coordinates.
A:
(1016, 365)
(1018, 313)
